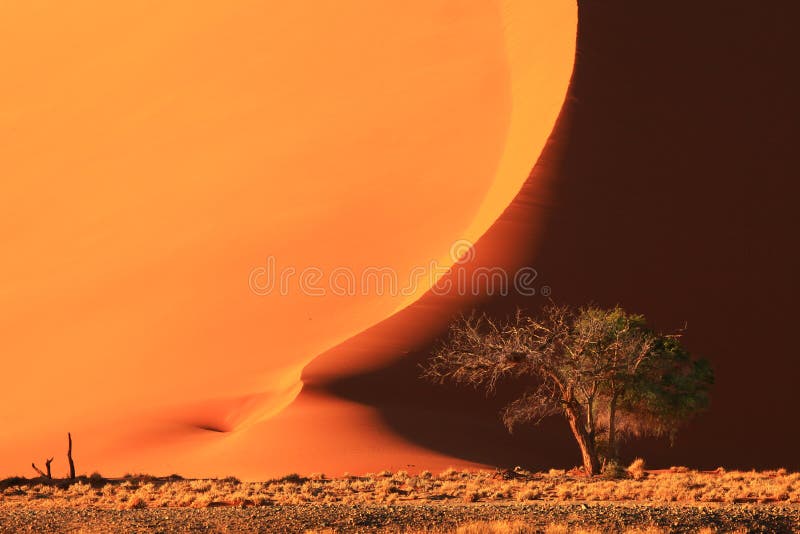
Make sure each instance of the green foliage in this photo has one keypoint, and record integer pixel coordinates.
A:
(668, 388)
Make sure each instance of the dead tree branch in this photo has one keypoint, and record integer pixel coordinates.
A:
(69, 458)
(47, 466)
(41, 473)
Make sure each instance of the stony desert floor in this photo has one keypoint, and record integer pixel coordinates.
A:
(470, 502)
(430, 518)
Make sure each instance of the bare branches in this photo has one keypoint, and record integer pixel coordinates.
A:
(47, 466)
(478, 353)
(48, 473)
(532, 407)
(41, 473)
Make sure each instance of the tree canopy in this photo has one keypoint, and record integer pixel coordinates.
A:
(604, 370)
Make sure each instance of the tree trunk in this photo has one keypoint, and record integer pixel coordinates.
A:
(591, 462)
(69, 457)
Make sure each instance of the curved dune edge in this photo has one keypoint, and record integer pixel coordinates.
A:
(318, 431)
(253, 435)
(529, 129)
(350, 436)
(531, 122)
(149, 174)
(312, 430)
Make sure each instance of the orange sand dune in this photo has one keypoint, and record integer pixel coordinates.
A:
(155, 157)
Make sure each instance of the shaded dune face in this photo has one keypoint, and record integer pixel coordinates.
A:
(154, 155)
(668, 187)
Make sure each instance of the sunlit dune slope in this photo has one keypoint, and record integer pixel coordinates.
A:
(157, 157)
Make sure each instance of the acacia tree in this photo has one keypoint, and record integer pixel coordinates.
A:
(605, 371)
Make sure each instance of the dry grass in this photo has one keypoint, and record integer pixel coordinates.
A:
(676, 485)
(521, 527)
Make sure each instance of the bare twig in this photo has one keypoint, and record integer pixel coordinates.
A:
(41, 473)
(47, 466)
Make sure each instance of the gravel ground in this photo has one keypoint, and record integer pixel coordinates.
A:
(373, 518)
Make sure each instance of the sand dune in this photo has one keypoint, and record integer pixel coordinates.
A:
(155, 155)
(666, 187)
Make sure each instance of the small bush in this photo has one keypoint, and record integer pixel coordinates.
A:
(636, 469)
(472, 496)
(292, 478)
(136, 502)
(612, 470)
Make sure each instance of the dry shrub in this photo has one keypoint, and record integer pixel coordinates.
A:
(636, 469)
(613, 470)
(200, 486)
(528, 495)
(564, 529)
(472, 496)
(494, 527)
(136, 502)
(449, 474)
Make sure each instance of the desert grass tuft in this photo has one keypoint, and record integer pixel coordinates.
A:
(677, 485)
